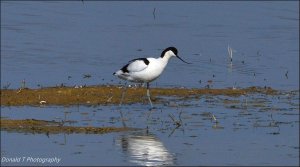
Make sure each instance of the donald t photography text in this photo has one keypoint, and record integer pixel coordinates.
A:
(30, 159)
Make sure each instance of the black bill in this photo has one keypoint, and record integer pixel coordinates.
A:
(182, 60)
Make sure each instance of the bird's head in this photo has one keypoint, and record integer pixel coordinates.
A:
(170, 52)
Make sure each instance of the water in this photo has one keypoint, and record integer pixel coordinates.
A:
(251, 130)
(50, 43)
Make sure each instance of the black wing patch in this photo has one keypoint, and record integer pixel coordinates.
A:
(125, 68)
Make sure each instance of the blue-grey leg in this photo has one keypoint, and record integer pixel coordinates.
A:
(123, 93)
(122, 119)
(148, 95)
(122, 97)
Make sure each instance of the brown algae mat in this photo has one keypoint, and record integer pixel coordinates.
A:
(109, 94)
(52, 127)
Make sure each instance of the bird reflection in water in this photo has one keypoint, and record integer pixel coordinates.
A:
(145, 149)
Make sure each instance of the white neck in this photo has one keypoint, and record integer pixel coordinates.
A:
(167, 56)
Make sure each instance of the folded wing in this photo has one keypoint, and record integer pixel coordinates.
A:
(136, 65)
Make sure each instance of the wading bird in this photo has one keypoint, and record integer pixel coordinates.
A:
(146, 70)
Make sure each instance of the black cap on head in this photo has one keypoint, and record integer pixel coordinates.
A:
(173, 49)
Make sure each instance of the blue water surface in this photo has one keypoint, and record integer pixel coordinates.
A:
(50, 43)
